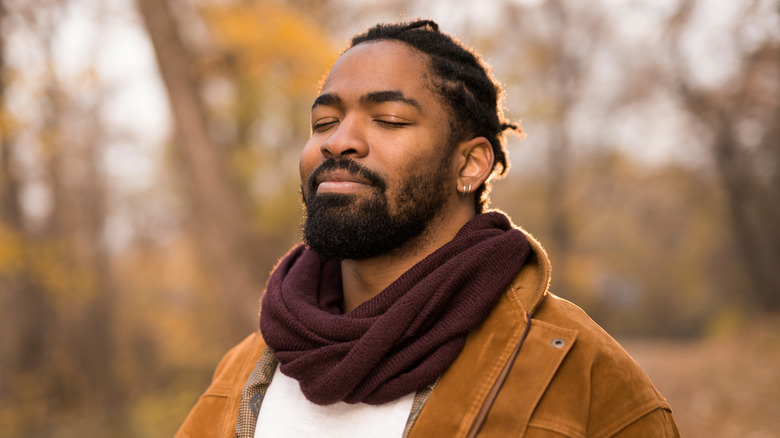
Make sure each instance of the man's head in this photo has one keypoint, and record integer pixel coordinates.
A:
(463, 82)
(401, 137)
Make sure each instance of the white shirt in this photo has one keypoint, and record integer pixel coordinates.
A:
(286, 412)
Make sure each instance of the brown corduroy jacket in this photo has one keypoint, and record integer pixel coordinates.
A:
(569, 378)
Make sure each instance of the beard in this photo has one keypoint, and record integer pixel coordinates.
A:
(347, 227)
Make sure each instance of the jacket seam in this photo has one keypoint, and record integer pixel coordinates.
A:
(498, 384)
(495, 370)
(520, 429)
(628, 419)
(221, 390)
(557, 428)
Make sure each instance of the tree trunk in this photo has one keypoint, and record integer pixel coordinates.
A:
(750, 203)
(223, 233)
(755, 242)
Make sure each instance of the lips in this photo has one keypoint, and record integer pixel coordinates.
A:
(343, 176)
(340, 181)
(337, 176)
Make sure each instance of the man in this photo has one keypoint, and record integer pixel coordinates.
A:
(409, 311)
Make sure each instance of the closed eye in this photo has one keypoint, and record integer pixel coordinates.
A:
(389, 124)
(323, 125)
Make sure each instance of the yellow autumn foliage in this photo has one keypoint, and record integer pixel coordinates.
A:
(267, 38)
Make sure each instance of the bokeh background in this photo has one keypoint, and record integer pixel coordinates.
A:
(148, 184)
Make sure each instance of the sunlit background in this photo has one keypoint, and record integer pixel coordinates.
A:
(148, 184)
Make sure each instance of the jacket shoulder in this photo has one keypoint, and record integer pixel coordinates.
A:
(214, 413)
(597, 373)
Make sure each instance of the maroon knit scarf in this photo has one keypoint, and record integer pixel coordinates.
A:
(399, 341)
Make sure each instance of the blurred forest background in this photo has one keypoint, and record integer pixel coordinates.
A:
(148, 184)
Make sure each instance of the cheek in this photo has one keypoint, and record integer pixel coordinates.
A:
(310, 159)
(407, 170)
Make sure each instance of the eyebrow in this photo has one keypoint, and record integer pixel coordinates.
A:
(326, 99)
(376, 97)
(389, 96)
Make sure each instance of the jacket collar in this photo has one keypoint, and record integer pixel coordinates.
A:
(471, 377)
(531, 284)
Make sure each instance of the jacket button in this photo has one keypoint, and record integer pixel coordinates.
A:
(558, 343)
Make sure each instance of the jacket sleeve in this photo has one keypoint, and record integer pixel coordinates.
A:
(656, 424)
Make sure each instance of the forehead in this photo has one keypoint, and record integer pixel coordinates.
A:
(378, 66)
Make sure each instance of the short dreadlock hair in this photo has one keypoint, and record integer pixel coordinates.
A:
(465, 84)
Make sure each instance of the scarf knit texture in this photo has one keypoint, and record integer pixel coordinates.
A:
(404, 338)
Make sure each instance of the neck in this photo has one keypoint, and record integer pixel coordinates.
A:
(365, 279)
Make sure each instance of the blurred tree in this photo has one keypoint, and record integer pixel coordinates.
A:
(55, 272)
(577, 81)
(259, 70)
(248, 84)
(545, 57)
(219, 218)
(740, 117)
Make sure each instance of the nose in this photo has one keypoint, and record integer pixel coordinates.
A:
(348, 139)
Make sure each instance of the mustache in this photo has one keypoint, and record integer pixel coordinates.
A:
(348, 165)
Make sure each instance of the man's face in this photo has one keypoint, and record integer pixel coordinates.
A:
(377, 167)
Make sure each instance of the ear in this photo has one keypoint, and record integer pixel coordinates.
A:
(475, 163)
